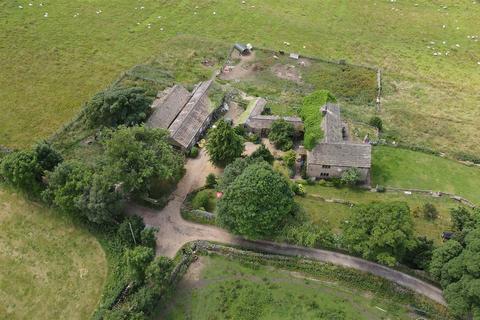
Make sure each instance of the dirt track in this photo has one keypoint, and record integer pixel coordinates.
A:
(174, 232)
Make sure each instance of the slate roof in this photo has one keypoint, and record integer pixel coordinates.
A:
(192, 117)
(332, 123)
(341, 154)
(167, 106)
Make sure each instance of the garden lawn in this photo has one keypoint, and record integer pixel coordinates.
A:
(402, 168)
(51, 65)
(50, 268)
(227, 289)
(320, 210)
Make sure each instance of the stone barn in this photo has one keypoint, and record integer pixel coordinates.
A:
(186, 115)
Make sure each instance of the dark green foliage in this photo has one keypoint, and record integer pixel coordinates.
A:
(420, 255)
(289, 159)
(376, 122)
(22, 170)
(380, 231)
(462, 218)
(148, 238)
(263, 153)
(67, 186)
(211, 181)
(310, 234)
(233, 170)
(193, 152)
(47, 157)
(312, 117)
(130, 231)
(257, 203)
(240, 130)
(203, 201)
(350, 177)
(281, 134)
(158, 272)
(442, 255)
(223, 144)
(118, 106)
(430, 212)
(136, 156)
(137, 260)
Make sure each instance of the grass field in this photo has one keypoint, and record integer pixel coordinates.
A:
(51, 65)
(50, 269)
(335, 213)
(226, 289)
(402, 168)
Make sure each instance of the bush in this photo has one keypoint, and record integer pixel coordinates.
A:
(47, 157)
(137, 260)
(148, 238)
(203, 201)
(376, 122)
(263, 153)
(211, 181)
(289, 159)
(298, 189)
(193, 152)
(420, 254)
(21, 169)
(253, 138)
(223, 144)
(350, 177)
(130, 230)
(118, 106)
(429, 211)
(281, 134)
(310, 235)
(380, 188)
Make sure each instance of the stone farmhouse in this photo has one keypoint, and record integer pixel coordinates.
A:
(333, 155)
(186, 115)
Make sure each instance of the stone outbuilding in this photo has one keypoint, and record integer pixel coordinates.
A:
(186, 115)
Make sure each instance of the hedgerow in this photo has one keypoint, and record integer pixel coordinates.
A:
(312, 116)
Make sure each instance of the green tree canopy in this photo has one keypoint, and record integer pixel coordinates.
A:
(137, 260)
(263, 153)
(48, 158)
(234, 170)
(257, 203)
(281, 134)
(380, 231)
(22, 170)
(135, 156)
(118, 106)
(223, 144)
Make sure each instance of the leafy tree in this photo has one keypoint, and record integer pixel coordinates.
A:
(101, 202)
(376, 122)
(223, 144)
(263, 153)
(47, 157)
(211, 180)
(420, 254)
(148, 238)
(130, 231)
(118, 106)
(430, 211)
(21, 169)
(462, 218)
(257, 203)
(350, 177)
(67, 185)
(442, 255)
(137, 260)
(159, 270)
(289, 158)
(202, 201)
(312, 235)
(281, 134)
(135, 156)
(380, 231)
(235, 169)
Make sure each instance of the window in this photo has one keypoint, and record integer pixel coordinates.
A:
(324, 174)
(326, 166)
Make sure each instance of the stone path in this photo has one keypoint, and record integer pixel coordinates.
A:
(174, 232)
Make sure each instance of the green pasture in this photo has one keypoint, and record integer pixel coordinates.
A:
(50, 268)
(228, 289)
(51, 65)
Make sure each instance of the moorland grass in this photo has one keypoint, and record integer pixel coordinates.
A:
(229, 289)
(50, 268)
(50, 65)
(396, 167)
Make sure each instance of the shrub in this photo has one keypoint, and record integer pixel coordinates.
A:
(118, 106)
(240, 130)
(281, 134)
(203, 201)
(263, 153)
(148, 238)
(289, 159)
(430, 211)
(376, 122)
(193, 152)
(253, 138)
(47, 157)
(420, 254)
(380, 188)
(350, 177)
(211, 180)
(130, 230)
(312, 117)
(21, 169)
(137, 260)
(310, 235)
